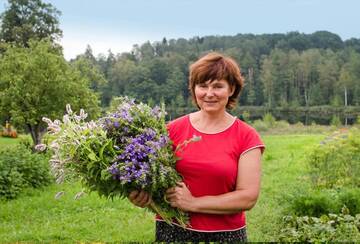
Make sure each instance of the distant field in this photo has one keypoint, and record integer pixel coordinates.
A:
(4, 141)
(37, 216)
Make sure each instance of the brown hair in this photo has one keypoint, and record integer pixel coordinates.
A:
(214, 66)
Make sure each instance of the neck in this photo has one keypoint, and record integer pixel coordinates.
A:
(211, 122)
(213, 118)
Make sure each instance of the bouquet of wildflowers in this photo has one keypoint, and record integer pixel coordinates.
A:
(126, 150)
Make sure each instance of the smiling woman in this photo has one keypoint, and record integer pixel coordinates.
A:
(212, 96)
(221, 172)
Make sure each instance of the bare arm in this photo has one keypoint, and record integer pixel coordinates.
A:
(243, 198)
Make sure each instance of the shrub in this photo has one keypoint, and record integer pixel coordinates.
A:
(283, 124)
(350, 197)
(314, 203)
(328, 228)
(319, 202)
(335, 163)
(260, 125)
(246, 116)
(335, 121)
(269, 120)
(20, 168)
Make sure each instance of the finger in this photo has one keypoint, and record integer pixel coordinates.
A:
(171, 190)
(180, 184)
(149, 201)
(171, 195)
(145, 200)
(132, 196)
(141, 196)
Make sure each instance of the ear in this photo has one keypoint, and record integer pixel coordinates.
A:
(232, 90)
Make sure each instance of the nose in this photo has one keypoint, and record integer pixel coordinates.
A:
(209, 92)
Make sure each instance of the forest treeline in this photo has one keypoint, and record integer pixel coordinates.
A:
(280, 70)
(291, 72)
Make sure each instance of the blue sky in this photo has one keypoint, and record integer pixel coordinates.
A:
(119, 24)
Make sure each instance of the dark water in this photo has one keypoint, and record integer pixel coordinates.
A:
(309, 118)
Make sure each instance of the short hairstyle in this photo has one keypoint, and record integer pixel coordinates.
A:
(215, 66)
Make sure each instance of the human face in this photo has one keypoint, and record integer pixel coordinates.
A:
(213, 96)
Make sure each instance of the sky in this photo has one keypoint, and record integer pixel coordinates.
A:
(117, 25)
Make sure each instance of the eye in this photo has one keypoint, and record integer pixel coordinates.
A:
(218, 86)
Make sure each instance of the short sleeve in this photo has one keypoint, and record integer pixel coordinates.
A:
(251, 140)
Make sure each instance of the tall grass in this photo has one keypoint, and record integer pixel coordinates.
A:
(37, 216)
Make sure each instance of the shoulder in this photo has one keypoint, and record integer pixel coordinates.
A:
(183, 120)
(244, 128)
(177, 126)
(248, 137)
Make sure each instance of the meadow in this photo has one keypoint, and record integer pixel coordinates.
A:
(36, 215)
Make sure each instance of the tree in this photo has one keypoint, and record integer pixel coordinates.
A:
(267, 78)
(37, 82)
(29, 19)
(91, 71)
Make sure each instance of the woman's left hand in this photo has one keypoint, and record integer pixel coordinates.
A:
(180, 197)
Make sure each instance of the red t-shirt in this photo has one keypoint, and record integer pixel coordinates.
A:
(209, 167)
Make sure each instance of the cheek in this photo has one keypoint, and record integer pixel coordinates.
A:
(199, 93)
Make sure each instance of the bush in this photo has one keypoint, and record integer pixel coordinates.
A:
(351, 199)
(328, 228)
(260, 126)
(20, 168)
(335, 121)
(314, 203)
(335, 163)
(319, 202)
(269, 120)
(283, 124)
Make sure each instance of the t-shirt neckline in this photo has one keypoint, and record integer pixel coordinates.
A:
(215, 133)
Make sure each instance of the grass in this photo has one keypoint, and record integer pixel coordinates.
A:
(283, 170)
(5, 141)
(37, 216)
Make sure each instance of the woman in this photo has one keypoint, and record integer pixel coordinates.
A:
(221, 172)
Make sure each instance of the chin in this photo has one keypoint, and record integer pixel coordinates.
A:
(210, 110)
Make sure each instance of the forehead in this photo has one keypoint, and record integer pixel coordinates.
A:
(223, 81)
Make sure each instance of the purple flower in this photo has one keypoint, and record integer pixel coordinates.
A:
(116, 124)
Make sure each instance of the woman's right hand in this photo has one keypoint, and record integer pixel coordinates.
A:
(140, 198)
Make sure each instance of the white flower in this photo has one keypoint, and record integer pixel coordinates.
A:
(40, 147)
(68, 109)
(91, 125)
(83, 115)
(54, 145)
(66, 119)
(57, 122)
(47, 120)
(54, 129)
(77, 118)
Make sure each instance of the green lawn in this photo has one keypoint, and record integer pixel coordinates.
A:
(37, 216)
(5, 141)
(283, 170)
